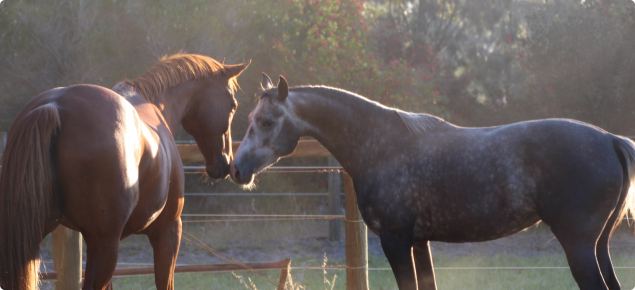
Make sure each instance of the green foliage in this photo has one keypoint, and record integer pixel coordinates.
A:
(329, 42)
(466, 48)
(581, 63)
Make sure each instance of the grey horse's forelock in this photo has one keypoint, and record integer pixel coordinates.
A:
(418, 123)
(265, 93)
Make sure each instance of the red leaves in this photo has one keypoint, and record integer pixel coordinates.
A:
(521, 54)
(509, 38)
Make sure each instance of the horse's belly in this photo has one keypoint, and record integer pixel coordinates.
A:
(475, 227)
(153, 197)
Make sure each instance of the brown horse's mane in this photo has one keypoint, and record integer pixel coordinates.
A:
(176, 69)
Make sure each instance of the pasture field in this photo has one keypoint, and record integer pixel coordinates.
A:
(535, 247)
(382, 279)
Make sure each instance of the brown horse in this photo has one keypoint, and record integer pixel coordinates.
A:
(104, 162)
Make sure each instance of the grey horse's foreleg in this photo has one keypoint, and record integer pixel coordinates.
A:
(398, 250)
(423, 266)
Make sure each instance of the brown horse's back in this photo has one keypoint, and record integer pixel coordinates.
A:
(116, 156)
(97, 157)
(80, 168)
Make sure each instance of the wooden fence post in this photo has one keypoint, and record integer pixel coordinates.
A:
(356, 241)
(284, 273)
(3, 142)
(67, 258)
(335, 204)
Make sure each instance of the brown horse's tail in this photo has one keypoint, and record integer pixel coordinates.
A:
(26, 183)
(626, 147)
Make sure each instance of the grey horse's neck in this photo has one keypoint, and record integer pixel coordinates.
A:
(357, 131)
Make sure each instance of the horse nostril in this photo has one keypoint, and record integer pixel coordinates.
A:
(235, 173)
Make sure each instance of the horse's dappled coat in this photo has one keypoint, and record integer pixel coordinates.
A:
(419, 178)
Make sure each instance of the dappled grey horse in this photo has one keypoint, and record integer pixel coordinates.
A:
(420, 179)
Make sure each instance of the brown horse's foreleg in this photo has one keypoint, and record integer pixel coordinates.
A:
(165, 240)
(101, 261)
(423, 266)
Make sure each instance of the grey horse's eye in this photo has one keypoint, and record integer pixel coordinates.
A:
(266, 123)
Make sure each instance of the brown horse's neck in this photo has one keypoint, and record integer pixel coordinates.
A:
(172, 103)
(354, 129)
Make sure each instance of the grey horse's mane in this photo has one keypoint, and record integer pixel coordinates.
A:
(418, 123)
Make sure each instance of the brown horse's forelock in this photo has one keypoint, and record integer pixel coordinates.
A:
(172, 71)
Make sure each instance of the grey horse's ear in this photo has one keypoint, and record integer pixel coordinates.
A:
(266, 82)
(283, 89)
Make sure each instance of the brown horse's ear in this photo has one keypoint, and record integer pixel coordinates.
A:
(266, 82)
(222, 61)
(234, 70)
(283, 89)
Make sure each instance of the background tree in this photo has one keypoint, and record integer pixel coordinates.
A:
(472, 62)
(581, 63)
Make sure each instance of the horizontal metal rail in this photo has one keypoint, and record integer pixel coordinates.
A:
(336, 267)
(266, 215)
(137, 271)
(196, 169)
(260, 194)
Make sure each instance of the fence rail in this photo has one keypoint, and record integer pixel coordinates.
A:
(306, 148)
(260, 194)
(133, 271)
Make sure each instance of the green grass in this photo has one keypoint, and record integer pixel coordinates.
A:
(384, 280)
(222, 236)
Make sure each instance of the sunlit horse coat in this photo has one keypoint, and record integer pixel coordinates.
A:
(420, 179)
(104, 163)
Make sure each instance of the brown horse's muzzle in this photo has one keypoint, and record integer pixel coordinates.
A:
(218, 170)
